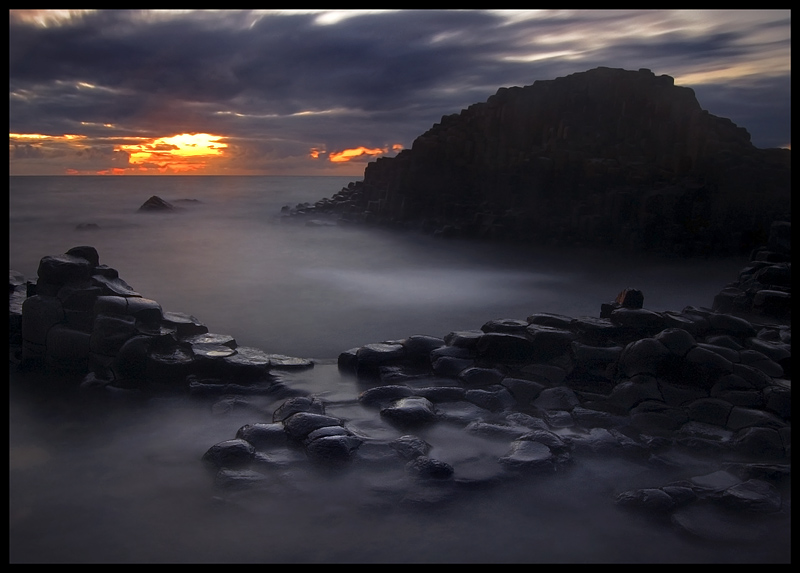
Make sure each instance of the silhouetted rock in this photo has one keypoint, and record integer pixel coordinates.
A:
(156, 203)
(603, 157)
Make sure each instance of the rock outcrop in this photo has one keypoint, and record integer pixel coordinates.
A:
(604, 157)
(80, 317)
(156, 203)
(700, 391)
(764, 287)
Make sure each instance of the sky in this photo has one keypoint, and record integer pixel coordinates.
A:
(323, 92)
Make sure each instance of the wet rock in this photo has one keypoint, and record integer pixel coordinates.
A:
(650, 499)
(506, 348)
(497, 431)
(752, 495)
(230, 454)
(776, 399)
(656, 418)
(185, 325)
(384, 394)
(62, 269)
(231, 479)
(644, 356)
(332, 449)
(529, 455)
(524, 391)
(424, 467)
(676, 340)
(493, 398)
(630, 393)
(748, 417)
(310, 404)
(464, 338)
(476, 377)
(595, 356)
(410, 412)
(549, 342)
(450, 366)
(558, 398)
(508, 325)
(418, 347)
(438, 394)
(262, 435)
(246, 363)
(551, 319)
(299, 425)
(710, 410)
(410, 447)
(642, 320)
(597, 441)
(759, 443)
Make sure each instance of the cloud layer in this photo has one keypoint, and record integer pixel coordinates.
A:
(288, 92)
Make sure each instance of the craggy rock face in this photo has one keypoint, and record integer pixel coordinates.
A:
(606, 157)
(524, 395)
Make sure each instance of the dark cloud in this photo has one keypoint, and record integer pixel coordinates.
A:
(26, 151)
(372, 79)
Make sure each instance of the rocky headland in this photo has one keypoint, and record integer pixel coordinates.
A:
(606, 157)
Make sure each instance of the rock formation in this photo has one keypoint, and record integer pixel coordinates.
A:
(156, 203)
(608, 157)
(80, 317)
(702, 387)
(764, 286)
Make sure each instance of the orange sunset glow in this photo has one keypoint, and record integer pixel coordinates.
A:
(179, 153)
(182, 153)
(350, 154)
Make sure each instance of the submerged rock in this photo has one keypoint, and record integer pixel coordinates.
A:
(156, 203)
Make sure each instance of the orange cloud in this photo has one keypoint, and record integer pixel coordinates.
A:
(183, 153)
(355, 153)
(179, 153)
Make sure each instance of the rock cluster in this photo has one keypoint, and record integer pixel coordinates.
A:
(604, 157)
(657, 387)
(764, 286)
(79, 316)
(536, 393)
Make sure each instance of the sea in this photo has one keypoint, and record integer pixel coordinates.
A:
(111, 479)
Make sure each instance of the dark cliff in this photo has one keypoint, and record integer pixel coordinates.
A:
(604, 157)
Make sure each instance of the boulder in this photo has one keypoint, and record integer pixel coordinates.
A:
(410, 412)
(156, 204)
(234, 453)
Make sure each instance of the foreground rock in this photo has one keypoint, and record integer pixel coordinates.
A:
(80, 317)
(693, 392)
(698, 393)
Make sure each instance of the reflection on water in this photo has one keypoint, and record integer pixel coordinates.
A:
(117, 479)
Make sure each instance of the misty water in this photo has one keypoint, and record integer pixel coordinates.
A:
(108, 478)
